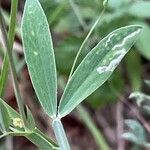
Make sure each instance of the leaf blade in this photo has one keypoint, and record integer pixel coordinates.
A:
(4, 118)
(30, 120)
(97, 66)
(39, 55)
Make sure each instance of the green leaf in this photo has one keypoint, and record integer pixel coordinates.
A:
(140, 9)
(12, 113)
(140, 97)
(115, 83)
(146, 109)
(30, 120)
(4, 118)
(147, 83)
(115, 3)
(142, 43)
(137, 133)
(36, 137)
(39, 55)
(65, 52)
(142, 101)
(97, 67)
(134, 70)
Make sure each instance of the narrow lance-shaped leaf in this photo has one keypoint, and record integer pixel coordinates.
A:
(30, 120)
(39, 55)
(137, 133)
(97, 67)
(4, 118)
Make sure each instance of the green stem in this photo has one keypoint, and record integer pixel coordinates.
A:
(60, 135)
(98, 136)
(13, 69)
(11, 37)
(14, 134)
(82, 45)
(12, 25)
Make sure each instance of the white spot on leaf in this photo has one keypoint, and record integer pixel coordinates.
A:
(35, 53)
(32, 33)
(30, 12)
(97, 52)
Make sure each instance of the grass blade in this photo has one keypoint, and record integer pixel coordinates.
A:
(11, 37)
(98, 136)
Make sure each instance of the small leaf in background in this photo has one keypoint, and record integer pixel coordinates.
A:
(139, 97)
(137, 133)
(30, 120)
(142, 44)
(148, 83)
(97, 67)
(65, 52)
(4, 118)
(134, 70)
(146, 108)
(39, 55)
(115, 3)
(140, 9)
(142, 100)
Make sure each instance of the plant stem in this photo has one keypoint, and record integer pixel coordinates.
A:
(99, 138)
(11, 37)
(82, 45)
(60, 134)
(14, 134)
(13, 69)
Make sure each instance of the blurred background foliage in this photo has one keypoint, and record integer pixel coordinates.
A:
(70, 21)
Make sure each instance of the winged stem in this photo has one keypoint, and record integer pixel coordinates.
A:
(60, 134)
